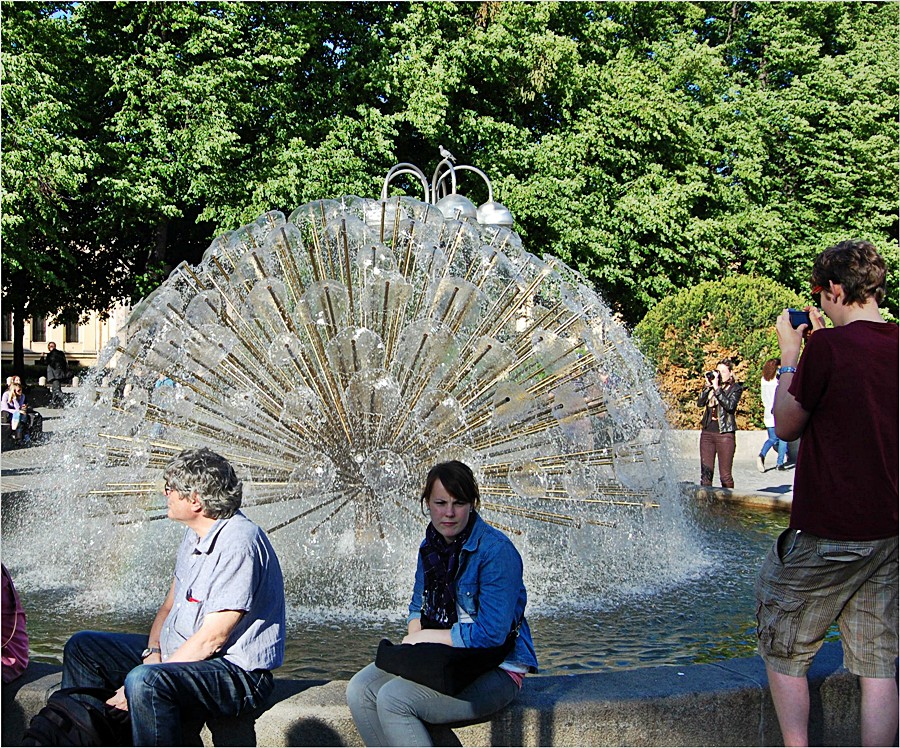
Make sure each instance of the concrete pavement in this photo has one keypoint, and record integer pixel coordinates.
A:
(21, 467)
(773, 489)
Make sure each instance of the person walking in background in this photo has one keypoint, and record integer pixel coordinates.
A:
(218, 634)
(720, 397)
(57, 373)
(838, 558)
(767, 386)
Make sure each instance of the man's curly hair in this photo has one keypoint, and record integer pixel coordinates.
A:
(856, 266)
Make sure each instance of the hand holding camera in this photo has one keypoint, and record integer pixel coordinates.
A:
(799, 317)
(793, 326)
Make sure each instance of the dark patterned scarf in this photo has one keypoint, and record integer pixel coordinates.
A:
(440, 562)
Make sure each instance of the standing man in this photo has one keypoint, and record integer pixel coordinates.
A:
(838, 559)
(218, 634)
(57, 372)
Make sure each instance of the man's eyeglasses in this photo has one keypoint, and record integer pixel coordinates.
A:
(815, 291)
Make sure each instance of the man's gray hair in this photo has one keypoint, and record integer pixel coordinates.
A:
(211, 476)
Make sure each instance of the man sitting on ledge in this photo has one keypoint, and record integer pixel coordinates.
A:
(218, 634)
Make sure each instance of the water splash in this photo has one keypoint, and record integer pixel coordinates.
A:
(333, 357)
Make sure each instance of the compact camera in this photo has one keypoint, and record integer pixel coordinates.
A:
(799, 317)
(710, 376)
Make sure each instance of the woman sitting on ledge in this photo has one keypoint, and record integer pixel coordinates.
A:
(468, 592)
(14, 409)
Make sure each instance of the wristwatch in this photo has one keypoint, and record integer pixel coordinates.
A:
(149, 651)
(787, 369)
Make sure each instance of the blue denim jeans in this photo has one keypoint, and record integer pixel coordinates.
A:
(774, 441)
(163, 698)
(389, 710)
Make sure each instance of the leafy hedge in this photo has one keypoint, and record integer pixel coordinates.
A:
(686, 334)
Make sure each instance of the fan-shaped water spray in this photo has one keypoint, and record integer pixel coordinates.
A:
(333, 356)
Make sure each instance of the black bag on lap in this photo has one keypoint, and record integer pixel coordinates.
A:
(439, 666)
(69, 721)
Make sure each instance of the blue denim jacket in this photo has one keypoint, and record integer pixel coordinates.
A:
(490, 595)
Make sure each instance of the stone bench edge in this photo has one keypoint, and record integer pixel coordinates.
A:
(722, 703)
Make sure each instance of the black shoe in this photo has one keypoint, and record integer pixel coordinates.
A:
(782, 467)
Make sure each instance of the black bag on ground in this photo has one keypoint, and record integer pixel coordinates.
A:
(439, 666)
(72, 722)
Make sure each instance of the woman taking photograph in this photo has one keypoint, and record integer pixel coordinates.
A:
(468, 592)
(719, 397)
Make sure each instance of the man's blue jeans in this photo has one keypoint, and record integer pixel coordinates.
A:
(163, 697)
(773, 441)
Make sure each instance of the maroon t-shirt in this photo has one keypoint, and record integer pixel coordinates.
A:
(845, 487)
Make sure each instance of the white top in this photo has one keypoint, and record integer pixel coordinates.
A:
(767, 392)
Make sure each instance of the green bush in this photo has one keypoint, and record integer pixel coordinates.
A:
(688, 333)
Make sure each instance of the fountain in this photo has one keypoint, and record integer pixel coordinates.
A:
(333, 356)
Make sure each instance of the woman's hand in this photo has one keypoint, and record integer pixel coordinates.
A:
(435, 636)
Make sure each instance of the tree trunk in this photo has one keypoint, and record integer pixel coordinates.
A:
(162, 240)
(18, 316)
(734, 17)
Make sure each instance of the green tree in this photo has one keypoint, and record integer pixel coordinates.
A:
(47, 162)
(652, 146)
(808, 138)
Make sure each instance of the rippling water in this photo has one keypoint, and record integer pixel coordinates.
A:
(706, 617)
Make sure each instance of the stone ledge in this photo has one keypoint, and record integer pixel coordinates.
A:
(756, 499)
(725, 703)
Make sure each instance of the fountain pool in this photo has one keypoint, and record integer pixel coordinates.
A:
(705, 617)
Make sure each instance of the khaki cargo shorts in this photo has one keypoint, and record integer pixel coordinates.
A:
(806, 583)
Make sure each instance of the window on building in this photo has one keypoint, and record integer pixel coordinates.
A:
(72, 332)
(7, 326)
(38, 329)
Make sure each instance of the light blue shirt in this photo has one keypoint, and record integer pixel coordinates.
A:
(490, 596)
(233, 567)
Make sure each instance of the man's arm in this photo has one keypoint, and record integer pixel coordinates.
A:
(156, 628)
(209, 638)
(790, 417)
(118, 698)
(203, 644)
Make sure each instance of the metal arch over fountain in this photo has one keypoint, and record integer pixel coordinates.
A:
(335, 355)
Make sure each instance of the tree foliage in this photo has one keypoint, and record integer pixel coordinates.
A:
(652, 146)
(690, 332)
